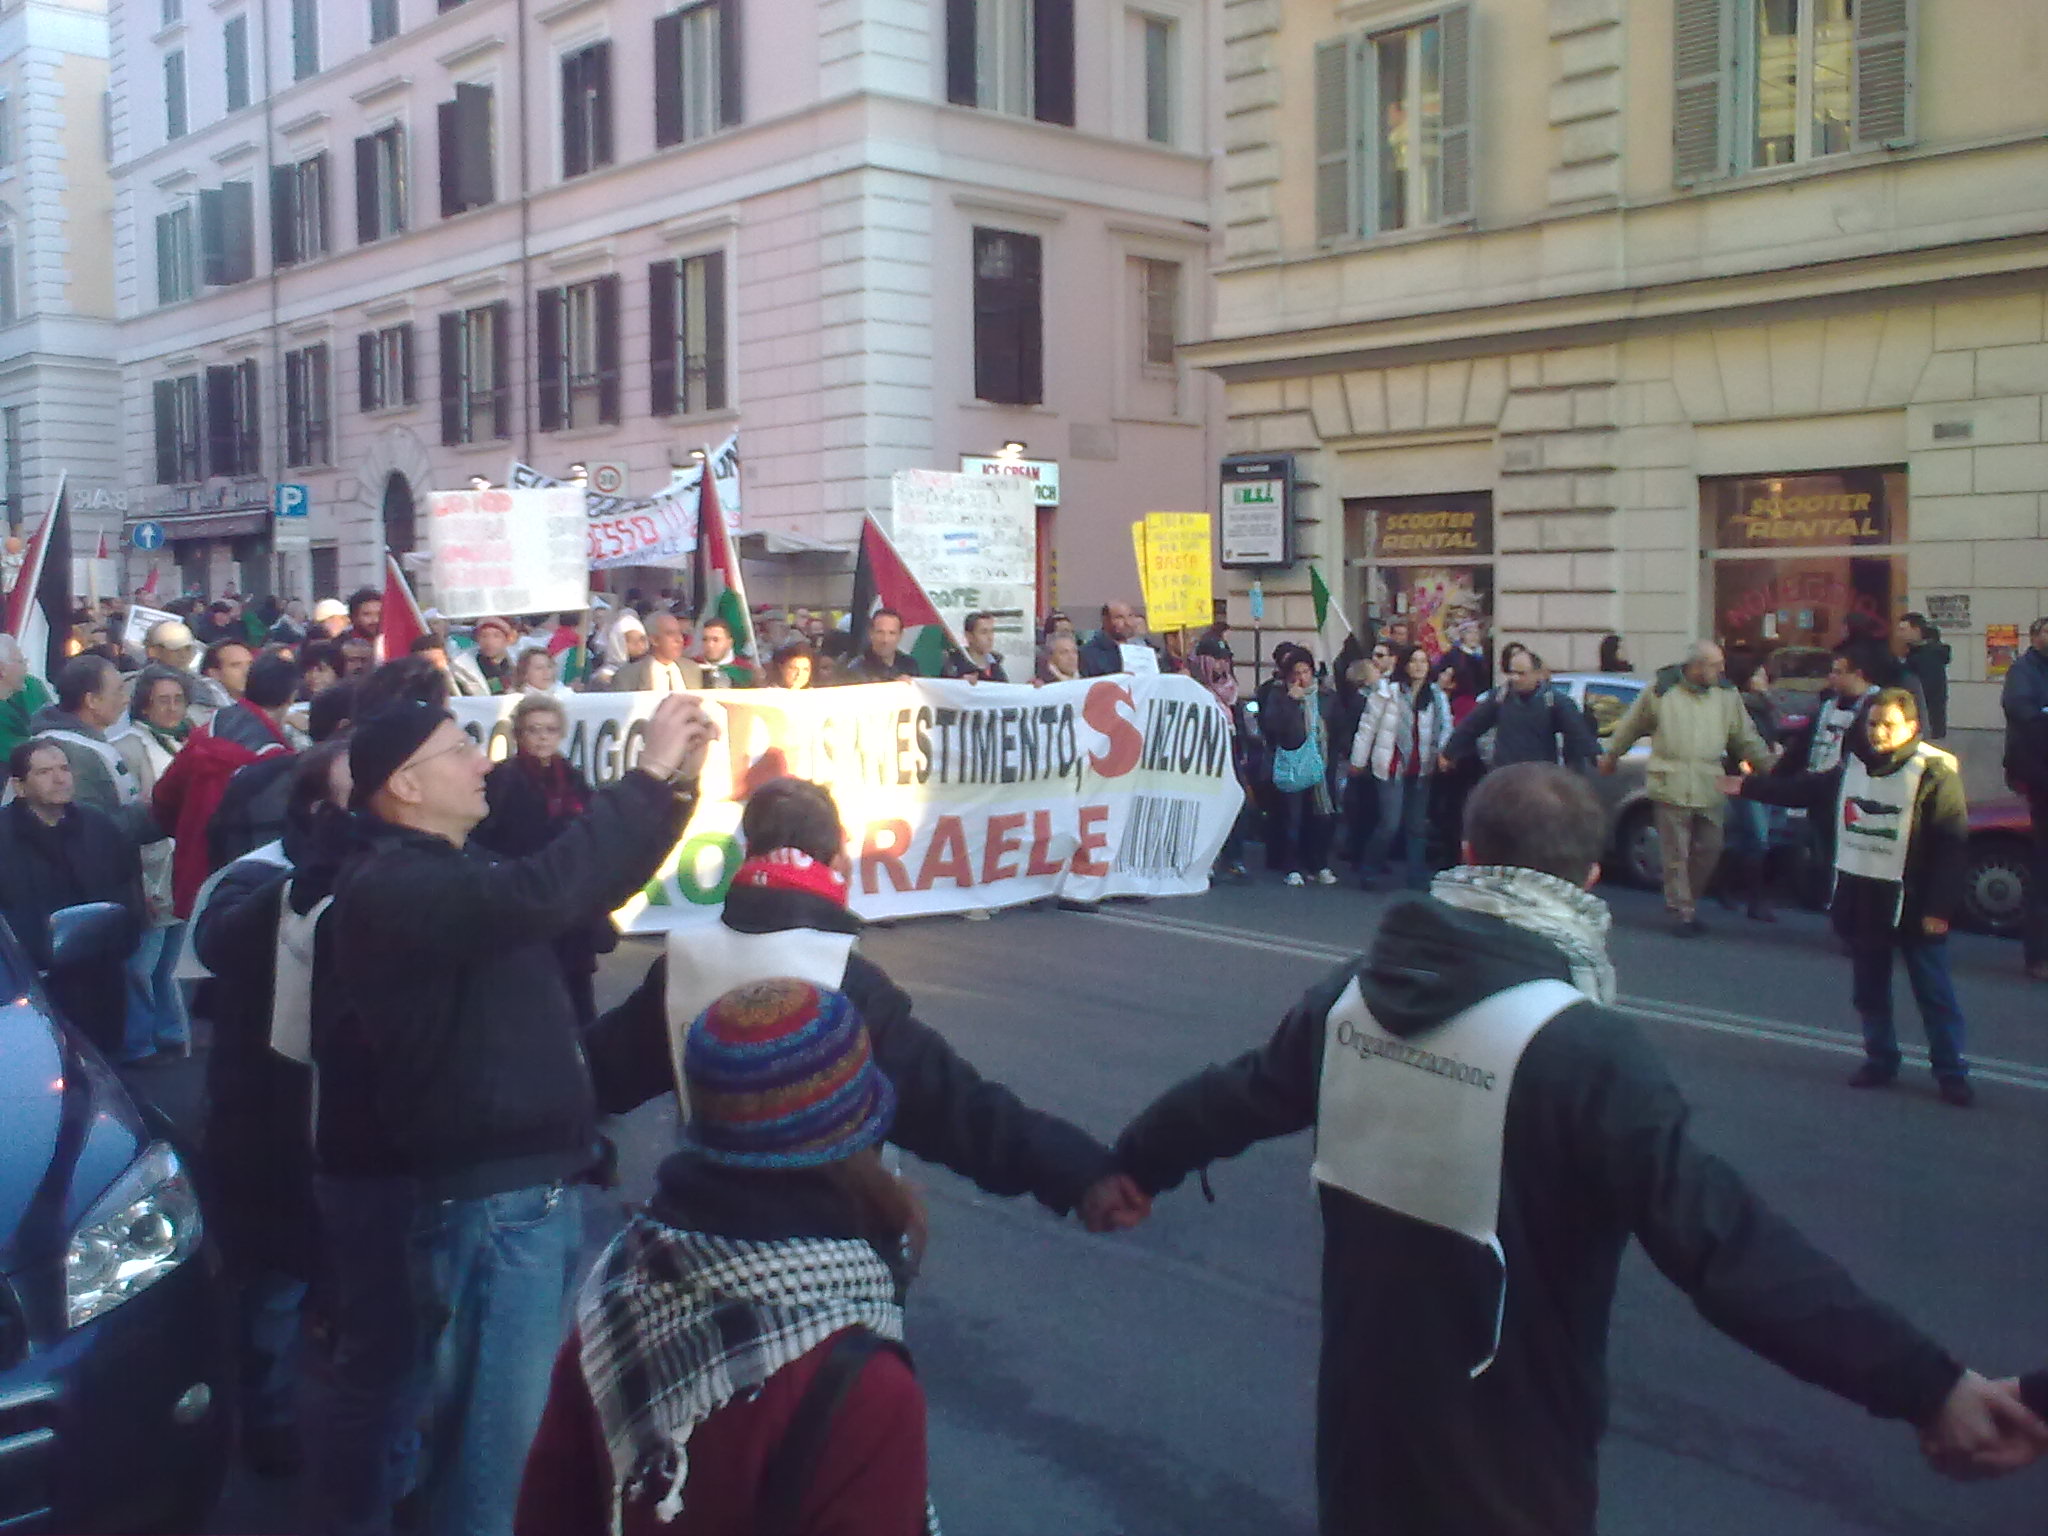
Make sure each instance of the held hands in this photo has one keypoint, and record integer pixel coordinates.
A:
(1443, 763)
(1731, 785)
(1114, 1203)
(678, 736)
(1934, 927)
(1983, 1430)
(1605, 763)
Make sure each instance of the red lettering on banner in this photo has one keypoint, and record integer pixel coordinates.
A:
(946, 854)
(999, 844)
(1041, 847)
(1093, 840)
(876, 856)
(1100, 710)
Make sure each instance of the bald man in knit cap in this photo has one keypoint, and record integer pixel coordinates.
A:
(457, 1117)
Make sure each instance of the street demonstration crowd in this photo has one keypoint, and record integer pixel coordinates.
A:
(408, 1079)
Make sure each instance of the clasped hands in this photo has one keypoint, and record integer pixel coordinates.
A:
(1983, 1430)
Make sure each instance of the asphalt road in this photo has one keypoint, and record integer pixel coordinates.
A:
(1160, 1383)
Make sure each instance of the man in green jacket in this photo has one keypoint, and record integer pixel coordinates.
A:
(1695, 721)
(21, 695)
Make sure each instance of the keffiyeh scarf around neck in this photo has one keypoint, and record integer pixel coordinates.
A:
(1555, 910)
(675, 1324)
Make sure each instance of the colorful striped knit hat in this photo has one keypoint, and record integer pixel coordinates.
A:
(781, 1075)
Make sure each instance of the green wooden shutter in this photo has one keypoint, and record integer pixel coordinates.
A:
(1702, 81)
(1882, 85)
(1336, 140)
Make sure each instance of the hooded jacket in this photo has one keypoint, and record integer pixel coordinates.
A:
(1597, 1150)
(946, 1112)
(96, 777)
(1937, 844)
(443, 1032)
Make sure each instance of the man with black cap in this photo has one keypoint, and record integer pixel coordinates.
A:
(456, 1113)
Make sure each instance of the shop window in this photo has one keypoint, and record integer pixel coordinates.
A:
(298, 210)
(1393, 132)
(384, 368)
(1009, 332)
(697, 85)
(1428, 560)
(1762, 83)
(686, 335)
(579, 355)
(1014, 56)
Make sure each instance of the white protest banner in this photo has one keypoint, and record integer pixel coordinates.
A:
(972, 543)
(954, 795)
(141, 621)
(725, 479)
(508, 551)
(654, 530)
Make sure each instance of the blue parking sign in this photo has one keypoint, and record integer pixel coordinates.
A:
(293, 501)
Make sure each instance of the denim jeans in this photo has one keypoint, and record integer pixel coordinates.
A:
(1403, 808)
(268, 1331)
(447, 1317)
(1927, 974)
(156, 1002)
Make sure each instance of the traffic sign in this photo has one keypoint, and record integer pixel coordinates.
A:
(608, 477)
(147, 536)
(293, 501)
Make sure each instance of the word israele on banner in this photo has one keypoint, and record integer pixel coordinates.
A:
(972, 543)
(506, 551)
(954, 795)
(624, 530)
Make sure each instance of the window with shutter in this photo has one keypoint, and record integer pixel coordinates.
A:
(234, 38)
(175, 121)
(213, 251)
(380, 184)
(452, 380)
(468, 178)
(248, 420)
(552, 361)
(1703, 78)
(1337, 148)
(238, 231)
(499, 327)
(164, 398)
(606, 346)
(189, 420)
(385, 361)
(1008, 320)
(305, 38)
(310, 206)
(696, 72)
(1052, 61)
(1886, 48)
(476, 385)
(1393, 128)
(223, 436)
(369, 391)
(305, 407)
(586, 109)
(177, 252)
(1454, 118)
(284, 219)
(383, 20)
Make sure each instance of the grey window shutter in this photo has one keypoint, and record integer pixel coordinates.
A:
(597, 80)
(366, 189)
(732, 85)
(448, 119)
(1703, 42)
(164, 396)
(248, 419)
(165, 283)
(238, 203)
(1052, 61)
(366, 372)
(221, 436)
(405, 368)
(213, 247)
(453, 379)
(314, 191)
(961, 87)
(1882, 85)
(668, 79)
(1336, 140)
(714, 331)
(473, 108)
(1455, 156)
(575, 116)
(501, 367)
(661, 338)
(608, 348)
(549, 344)
(1030, 320)
(284, 214)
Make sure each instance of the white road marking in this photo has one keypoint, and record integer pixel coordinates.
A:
(2017, 1074)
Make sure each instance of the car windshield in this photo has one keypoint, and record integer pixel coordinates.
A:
(1607, 702)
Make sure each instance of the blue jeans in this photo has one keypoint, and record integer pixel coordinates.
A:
(448, 1314)
(1403, 808)
(1747, 827)
(156, 1002)
(1927, 974)
(267, 1337)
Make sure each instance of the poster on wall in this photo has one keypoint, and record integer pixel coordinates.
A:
(972, 542)
(507, 551)
(1448, 607)
(2001, 650)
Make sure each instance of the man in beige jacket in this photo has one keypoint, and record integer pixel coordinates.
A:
(1694, 720)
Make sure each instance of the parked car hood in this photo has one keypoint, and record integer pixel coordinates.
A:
(70, 1130)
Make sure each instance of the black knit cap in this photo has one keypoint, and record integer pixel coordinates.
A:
(379, 745)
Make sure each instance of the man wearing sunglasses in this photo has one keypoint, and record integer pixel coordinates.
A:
(456, 1117)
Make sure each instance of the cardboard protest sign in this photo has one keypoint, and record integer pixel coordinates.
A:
(1174, 564)
(509, 551)
(141, 621)
(953, 794)
(972, 542)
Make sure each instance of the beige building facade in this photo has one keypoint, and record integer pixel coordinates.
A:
(1665, 319)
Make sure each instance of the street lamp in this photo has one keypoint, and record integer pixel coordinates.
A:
(579, 473)
(479, 483)
(1012, 450)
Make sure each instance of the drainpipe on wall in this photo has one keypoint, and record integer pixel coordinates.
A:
(526, 322)
(275, 455)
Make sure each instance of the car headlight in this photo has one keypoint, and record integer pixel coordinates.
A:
(140, 1230)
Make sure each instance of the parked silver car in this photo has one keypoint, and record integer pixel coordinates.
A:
(1632, 855)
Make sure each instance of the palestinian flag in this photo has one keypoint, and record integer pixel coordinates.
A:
(38, 610)
(882, 580)
(1332, 628)
(722, 590)
(403, 621)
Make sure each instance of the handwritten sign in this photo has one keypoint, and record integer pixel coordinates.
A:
(509, 551)
(1173, 564)
(141, 621)
(972, 542)
(623, 530)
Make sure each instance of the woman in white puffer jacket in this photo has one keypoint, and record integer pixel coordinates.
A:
(1403, 729)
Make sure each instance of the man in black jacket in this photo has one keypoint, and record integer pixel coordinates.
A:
(786, 914)
(1901, 841)
(2024, 702)
(456, 1112)
(55, 854)
(1490, 1133)
(1531, 723)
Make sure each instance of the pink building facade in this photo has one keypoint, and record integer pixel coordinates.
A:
(378, 249)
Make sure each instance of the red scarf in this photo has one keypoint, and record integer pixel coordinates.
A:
(557, 786)
(786, 869)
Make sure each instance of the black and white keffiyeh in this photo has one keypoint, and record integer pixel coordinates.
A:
(675, 1324)
(1573, 919)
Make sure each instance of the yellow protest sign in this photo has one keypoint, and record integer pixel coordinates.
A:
(1174, 566)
